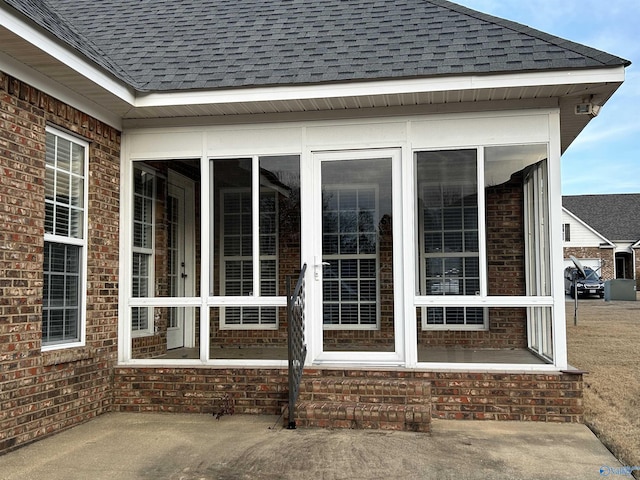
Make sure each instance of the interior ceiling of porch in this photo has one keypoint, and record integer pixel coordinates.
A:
(70, 80)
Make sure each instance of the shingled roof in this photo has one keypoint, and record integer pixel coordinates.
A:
(616, 216)
(164, 45)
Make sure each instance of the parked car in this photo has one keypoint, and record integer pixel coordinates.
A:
(591, 285)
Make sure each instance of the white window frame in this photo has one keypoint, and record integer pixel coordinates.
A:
(536, 221)
(150, 253)
(358, 256)
(530, 301)
(224, 325)
(78, 242)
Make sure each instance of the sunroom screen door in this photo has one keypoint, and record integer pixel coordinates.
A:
(354, 267)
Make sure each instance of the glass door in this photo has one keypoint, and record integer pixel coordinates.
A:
(354, 267)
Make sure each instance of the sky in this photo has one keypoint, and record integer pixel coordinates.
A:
(605, 157)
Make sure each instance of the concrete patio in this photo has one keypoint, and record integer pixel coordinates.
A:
(186, 447)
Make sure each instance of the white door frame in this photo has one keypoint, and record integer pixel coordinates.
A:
(184, 189)
(312, 255)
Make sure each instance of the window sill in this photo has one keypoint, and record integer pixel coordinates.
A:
(455, 328)
(66, 355)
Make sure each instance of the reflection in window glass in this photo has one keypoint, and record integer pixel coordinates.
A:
(449, 247)
(517, 237)
(356, 202)
(278, 222)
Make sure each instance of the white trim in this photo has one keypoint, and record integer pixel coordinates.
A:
(59, 91)
(479, 301)
(68, 56)
(409, 239)
(206, 252)
(384, 87)
(555, 242)
(490, 367)
(126, 255)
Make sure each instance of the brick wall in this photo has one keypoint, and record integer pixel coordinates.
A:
(199, 390)
(41, 393)
(544, 397)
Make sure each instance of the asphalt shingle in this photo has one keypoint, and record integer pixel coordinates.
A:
(616, 216)
(162, 45)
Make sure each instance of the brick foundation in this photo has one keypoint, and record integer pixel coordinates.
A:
(544, 397)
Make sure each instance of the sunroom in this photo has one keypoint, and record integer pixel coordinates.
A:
(427, 241)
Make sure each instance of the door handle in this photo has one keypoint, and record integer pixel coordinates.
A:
(317, 266)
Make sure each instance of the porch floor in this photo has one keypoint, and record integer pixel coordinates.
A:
(425, 354)
(471, 355)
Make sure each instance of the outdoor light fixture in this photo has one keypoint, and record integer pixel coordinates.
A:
(587, 109)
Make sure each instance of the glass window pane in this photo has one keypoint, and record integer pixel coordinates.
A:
(61, 294)
(515, 177)
(77, 159)
(277, 235)
(356, 240)
(447, 220)
(63, 155)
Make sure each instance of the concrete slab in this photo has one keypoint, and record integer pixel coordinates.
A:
(190, 447)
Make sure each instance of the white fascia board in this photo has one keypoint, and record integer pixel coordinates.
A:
(383, 87)
(588, 227)
(66, 55)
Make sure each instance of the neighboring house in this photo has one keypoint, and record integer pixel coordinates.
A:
(166, 166)
(603, 231)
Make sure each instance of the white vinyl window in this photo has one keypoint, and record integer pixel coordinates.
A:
(64, 266)
(236, 273)
(143, 247)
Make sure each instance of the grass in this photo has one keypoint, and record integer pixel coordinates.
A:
(606, 343)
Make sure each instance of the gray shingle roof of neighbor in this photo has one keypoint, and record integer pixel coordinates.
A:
(164, 45)
(616, 216)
